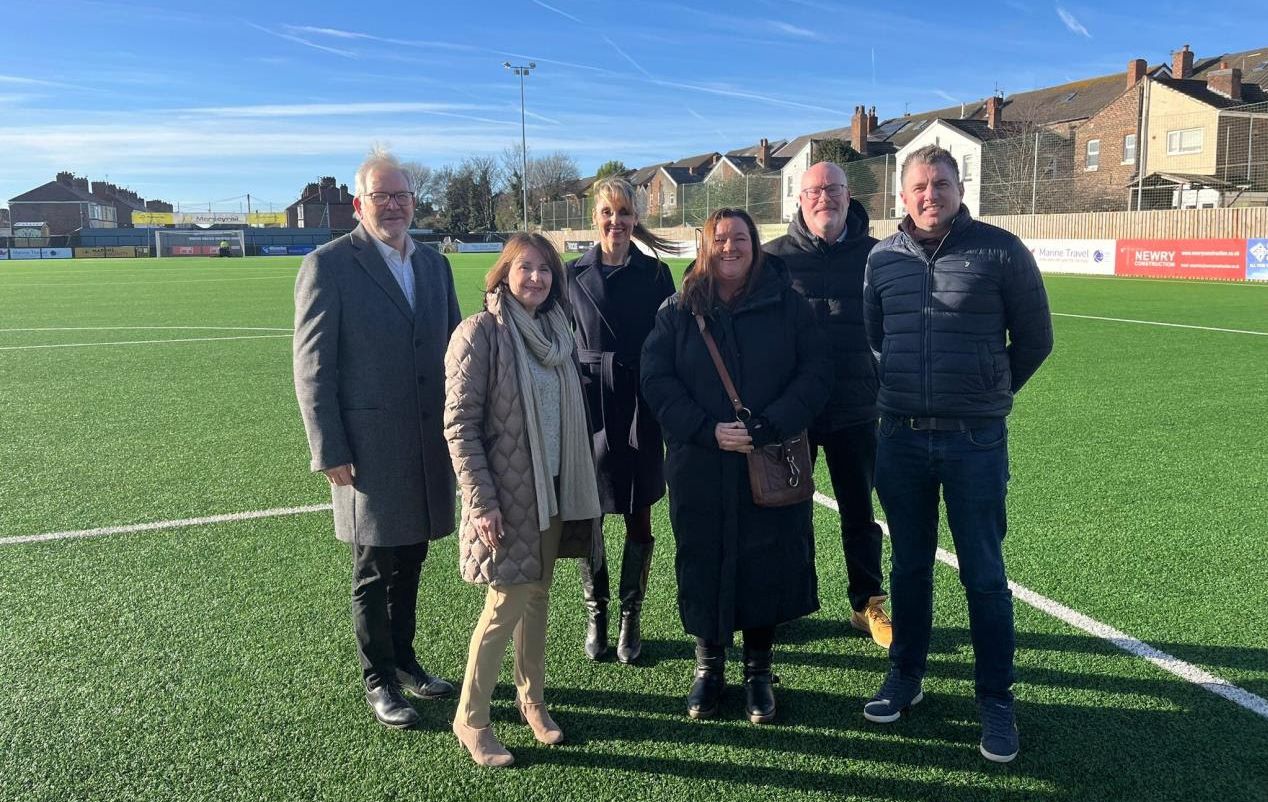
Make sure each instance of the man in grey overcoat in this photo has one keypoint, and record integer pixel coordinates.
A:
(373, 315)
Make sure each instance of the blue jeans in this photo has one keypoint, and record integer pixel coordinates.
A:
(971, 468)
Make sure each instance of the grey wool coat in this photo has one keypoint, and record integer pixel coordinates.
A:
(369, 376)
(488, 441)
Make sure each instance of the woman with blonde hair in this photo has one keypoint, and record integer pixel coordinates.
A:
(614, 291)
(740, 566)
(516, 424)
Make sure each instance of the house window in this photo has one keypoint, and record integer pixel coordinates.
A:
(1185, 140)
(1093, 154)
(966, 169)
(1129, 149)
(788, 192)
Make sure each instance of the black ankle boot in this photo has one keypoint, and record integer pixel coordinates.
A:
(636, 565)
(706, 690)
(759, 697)
(594, 587)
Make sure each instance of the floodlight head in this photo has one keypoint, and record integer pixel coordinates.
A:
(532, 65)
(506, 64)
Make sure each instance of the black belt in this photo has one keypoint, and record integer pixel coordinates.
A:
(942, 424)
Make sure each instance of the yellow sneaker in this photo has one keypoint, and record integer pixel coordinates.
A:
(873, 620)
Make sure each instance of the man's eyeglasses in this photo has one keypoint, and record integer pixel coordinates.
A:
(381, 198)
(833, 190)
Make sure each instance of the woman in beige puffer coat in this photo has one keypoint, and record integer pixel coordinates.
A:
(516, 425)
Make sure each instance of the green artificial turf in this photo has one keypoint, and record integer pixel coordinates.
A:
(217, 662)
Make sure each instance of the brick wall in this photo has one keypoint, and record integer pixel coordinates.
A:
(1105, 188)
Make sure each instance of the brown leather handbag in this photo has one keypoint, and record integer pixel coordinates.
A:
(779, 474)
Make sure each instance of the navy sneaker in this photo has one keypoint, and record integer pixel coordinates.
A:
(898, 694)
(999, 729)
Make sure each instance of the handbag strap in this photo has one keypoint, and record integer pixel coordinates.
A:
(742, 413)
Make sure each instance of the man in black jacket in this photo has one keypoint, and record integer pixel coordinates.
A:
(956, 312)
(825, 251)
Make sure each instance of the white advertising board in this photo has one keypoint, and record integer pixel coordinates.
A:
(55, 253)
(1088, 256)
(24, 253)
(479, 247)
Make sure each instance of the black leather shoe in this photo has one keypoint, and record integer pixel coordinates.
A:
(706, 689)
(595, 590)
(417, 682)
(759, 697)
(636, 564)
(389, 707)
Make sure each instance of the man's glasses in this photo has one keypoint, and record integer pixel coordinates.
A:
(833, 190)
(381, 198)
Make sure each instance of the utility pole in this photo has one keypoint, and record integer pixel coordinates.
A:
(522, 72)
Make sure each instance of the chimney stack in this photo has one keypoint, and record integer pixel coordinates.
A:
(1136, 69)
(858, 130)
(994, 111)
(81, 184)
(101, 189)
(1226, 81)
(763, 153)
(65, 177)
(1182, 63)
(873, 122)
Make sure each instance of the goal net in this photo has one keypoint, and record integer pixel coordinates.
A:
(179, 242)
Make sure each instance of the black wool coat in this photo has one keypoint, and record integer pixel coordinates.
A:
(738, 565)
(612, 316)
(830, 276)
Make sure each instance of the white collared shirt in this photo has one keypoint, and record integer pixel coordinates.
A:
(401, 267)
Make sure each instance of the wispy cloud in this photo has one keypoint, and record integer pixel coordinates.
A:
(557, 11)
(793, 30)
(626, 56)
(22, 80)
(306, 42)
(696, 114)
(947, 96)
(1071, 23)
(724, 91)
(275, 111)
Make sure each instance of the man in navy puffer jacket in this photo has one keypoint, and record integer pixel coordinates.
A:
(957, 315)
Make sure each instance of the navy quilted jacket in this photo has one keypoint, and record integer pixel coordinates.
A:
(956, 334)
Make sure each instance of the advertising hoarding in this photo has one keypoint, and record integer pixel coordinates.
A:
(1220, 259)
(1085, 256)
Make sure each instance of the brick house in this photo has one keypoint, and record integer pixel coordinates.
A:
(124, 201)
(666, 186)
(322, 205)
(65, 204)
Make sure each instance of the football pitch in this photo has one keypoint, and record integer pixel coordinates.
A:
(215, 660)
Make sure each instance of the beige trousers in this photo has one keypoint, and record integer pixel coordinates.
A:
(515, 612)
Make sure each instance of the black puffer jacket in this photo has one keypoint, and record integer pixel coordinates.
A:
(830, 276)
(958, 334)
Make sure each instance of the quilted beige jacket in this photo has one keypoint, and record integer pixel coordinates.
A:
(488, 443)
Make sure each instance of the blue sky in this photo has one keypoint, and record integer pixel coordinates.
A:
(205, 102)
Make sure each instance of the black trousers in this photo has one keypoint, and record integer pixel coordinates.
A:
(851, 458)
(384, 598)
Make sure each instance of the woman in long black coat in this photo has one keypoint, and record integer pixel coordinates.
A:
(614, 291)
(739, 566)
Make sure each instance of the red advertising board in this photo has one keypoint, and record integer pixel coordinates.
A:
(1182, 258)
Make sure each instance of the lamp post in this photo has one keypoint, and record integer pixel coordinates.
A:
(522, 72)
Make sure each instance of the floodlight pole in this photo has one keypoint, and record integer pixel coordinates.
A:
(522, 72)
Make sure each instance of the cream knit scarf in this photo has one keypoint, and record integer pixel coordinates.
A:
(578, 491)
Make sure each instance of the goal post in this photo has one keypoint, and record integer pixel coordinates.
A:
(185, 242)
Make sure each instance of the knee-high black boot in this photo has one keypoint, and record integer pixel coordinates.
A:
(594, 587)
(636, 565)
(759, 697)
(706, 689)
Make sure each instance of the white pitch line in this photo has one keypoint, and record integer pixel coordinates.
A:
(1134, 646)
(149, 527)
(144, 342)
(1157, 323)
(151, 328)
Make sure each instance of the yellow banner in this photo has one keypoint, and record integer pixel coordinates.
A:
(254, 219)
(90, 253)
